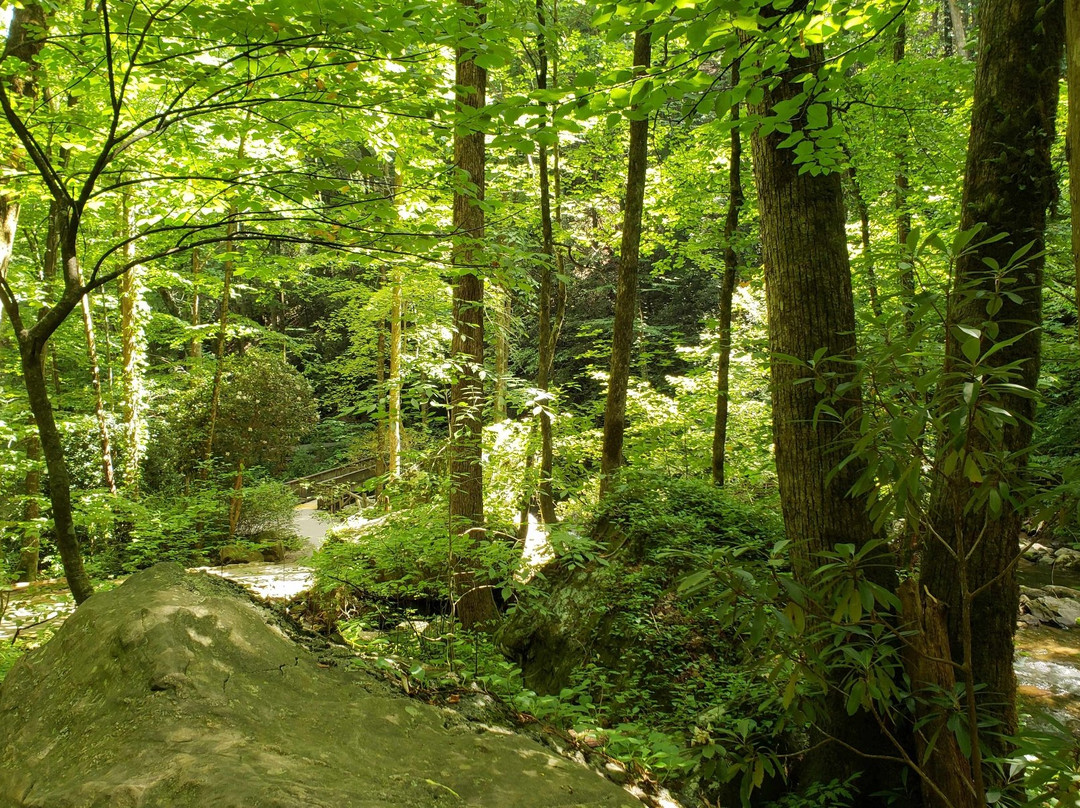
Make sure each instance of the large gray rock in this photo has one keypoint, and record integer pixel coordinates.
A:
(173, 690)
(1067, 558)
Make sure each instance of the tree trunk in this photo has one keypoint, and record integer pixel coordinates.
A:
(864, 236)
(381, 431)
(59, 480)
(23, 43)
(811, 307)
(502, 353)
(107, 474)
(394, 407)
(219, 351)
(30, 553)
(195, 344)
(396, 325)
(546, 339)
(223, 321)
(1009, 182)
(727, 290)
(959, 37)
(474, 602)
(900, 198)
(1072, 133)
(622, 338)
(133, 359)
(946, 772)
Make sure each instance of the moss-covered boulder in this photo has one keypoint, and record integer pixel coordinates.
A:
(174, 690)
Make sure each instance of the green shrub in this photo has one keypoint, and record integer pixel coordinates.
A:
(404, 556)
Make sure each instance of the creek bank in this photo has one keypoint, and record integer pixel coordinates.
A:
(175, 690)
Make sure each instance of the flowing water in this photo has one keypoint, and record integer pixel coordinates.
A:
(1048, 659)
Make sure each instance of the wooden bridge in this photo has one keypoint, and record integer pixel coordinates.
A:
(336, 487)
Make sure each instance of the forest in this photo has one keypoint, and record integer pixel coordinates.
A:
(694, 384)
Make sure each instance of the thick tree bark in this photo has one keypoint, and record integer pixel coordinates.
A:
(622, 338)
(474, 602)
(811, 307)
(947, 772)
(727, 291)
(968, 560)
(1072, 134)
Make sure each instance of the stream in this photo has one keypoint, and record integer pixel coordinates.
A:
(27, 611)
(1047, 660)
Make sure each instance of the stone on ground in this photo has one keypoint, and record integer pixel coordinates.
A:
(173, 690)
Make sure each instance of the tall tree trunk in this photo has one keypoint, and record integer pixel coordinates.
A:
(811, 307)
(394, 407)
(1072, 134)
(133, 359)
(381, 430)
(59, 480)
(968, 560)
(107, 472)
(219, 350)
(727, 290)
(959, 37)
(24, 42)
(30, 552)
(503, 316)
(396, 325)
(622, 339)
(223, 320)
(546, 346)
(474, 602)
(864, 236)
(900, 197)
(195, 344)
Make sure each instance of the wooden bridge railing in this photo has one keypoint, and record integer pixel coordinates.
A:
(334, 486)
